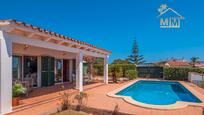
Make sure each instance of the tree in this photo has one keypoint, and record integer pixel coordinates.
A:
(135, 58)
(99, 61)
(121, 61)
(194, 61)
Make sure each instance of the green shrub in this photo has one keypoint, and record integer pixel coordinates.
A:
(178, 73)
(131, 74)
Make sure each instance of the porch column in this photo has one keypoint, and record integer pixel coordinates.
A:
(70, 70)
(39, 71)
(5, 73)
(79, 71)
(91, 71)
(106, 69)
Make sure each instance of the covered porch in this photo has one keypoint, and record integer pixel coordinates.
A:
(41, 58)
(40, 67)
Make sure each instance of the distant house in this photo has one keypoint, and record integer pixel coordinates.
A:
(174, 63)
(199, 64)
(177, 63)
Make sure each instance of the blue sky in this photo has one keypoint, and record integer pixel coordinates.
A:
(113, 24)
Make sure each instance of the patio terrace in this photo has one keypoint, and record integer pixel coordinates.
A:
(97, 98)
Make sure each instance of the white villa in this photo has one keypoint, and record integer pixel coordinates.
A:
(48, 58)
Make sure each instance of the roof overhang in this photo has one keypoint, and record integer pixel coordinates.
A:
(33, 32)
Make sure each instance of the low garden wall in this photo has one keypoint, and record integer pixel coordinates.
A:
(150, 72)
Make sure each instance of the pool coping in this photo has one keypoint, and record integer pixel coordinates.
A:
(177, 105)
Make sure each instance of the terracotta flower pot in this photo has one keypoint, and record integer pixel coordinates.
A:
(15, 101)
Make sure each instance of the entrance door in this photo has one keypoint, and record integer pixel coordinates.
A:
(47, 75)
(30, 70)
(65, 70)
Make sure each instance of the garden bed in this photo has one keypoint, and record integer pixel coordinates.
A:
(71, 112)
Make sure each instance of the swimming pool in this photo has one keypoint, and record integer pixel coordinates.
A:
(158, 92)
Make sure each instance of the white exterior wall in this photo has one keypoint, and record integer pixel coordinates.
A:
(5, 73)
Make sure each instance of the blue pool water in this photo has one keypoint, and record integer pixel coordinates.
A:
(158, 92)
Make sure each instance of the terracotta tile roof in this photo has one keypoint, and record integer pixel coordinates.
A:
(178, 63)
(35, 28)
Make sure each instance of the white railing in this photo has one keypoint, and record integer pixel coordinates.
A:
(196, 78)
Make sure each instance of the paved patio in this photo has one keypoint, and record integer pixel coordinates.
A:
(97, 98)
(39, 95)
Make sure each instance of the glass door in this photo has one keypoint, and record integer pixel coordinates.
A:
(16, 68)
(30, 70)
(58, 70)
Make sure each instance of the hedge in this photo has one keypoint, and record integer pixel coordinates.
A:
(178, 73)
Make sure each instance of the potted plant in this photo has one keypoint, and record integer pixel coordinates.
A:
(17, 90)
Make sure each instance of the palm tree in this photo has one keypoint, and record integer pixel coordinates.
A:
(194, 61)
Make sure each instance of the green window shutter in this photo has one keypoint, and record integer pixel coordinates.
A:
(47, 76)
(51, 71)
(44, 78)
(85, 69)
(44, 71)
